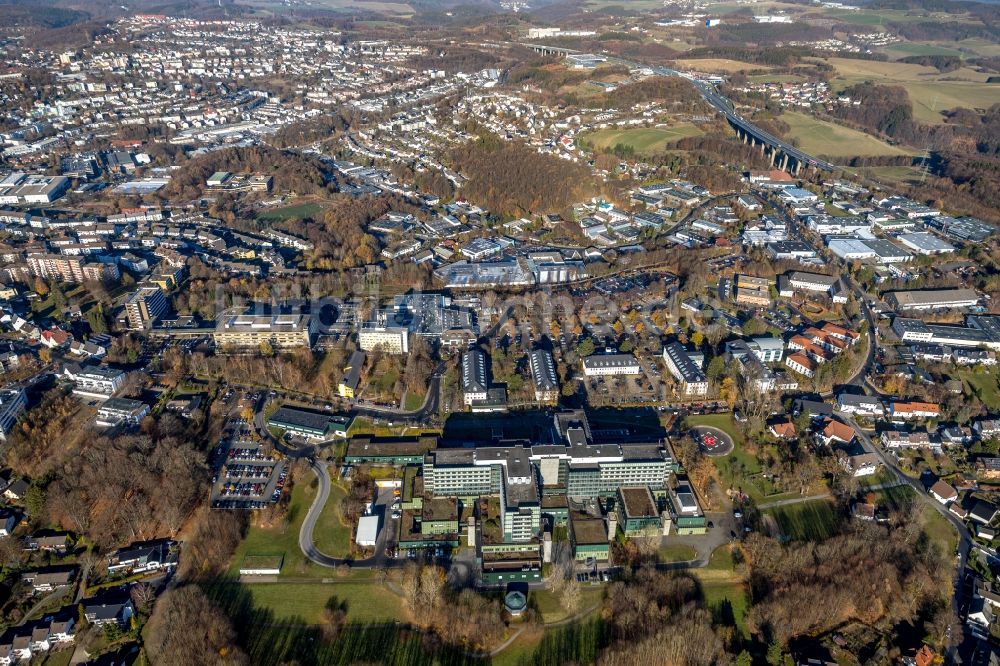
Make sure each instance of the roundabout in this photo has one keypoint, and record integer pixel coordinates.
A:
(712, 441)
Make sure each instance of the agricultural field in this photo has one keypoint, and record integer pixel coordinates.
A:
(645, 141)
(718, 65)
(893, 175)
(929, 90)
(824, 138)
(904, 49)
(398, 9)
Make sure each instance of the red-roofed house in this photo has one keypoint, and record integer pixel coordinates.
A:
(800, 363)
(55, 337)
(835, 431)
(783, 430)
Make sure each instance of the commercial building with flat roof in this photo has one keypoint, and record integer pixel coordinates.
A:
(636, 511)
(932, 299)
(307, 423)
(387, 339)
(144, 307)
(589, 537)
(98, 381)
(979, 331)
(118, 411)
(750, 290)
(249, 331)
(923, 242)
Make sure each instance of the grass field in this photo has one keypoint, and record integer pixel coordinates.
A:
(549, 608)
(919, 48)
(823, 138)
(939, 530)
(718, 65)
(676, 552)
(873, 18)
(646, 140)
(333, 535)
(737, 468)
(806, 521)
(399, 9)
(283, 539)
(984, 384)
(893, 174)
(725, 592)
(302, 211)
(366, 601)
(929, 90)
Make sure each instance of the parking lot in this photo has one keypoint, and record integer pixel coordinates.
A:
(244, 476)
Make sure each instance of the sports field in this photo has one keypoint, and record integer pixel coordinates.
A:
(645, 140)
(301, 211)
(819, 137)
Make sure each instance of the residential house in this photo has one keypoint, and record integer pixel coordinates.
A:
(982, 512)
(8, 521)
(835, 431)
(862, 464)
(783, 430)
(143, 557)
(913, 410)
(862, 405)
(943, 492)
(107, 610)
(898, 439)
(49, 579)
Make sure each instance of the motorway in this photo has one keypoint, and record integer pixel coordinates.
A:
(723, 105)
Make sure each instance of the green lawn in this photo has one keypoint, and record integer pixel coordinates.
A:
(333, 534)
(806, 521)
(301, 211)
(413, 401)
(737, 468)
(984, 385)
(645, 141)
(724, 591)
(939, 530)
(824, 138)
(366, 601)
(60, 658)
(283, 539)
(551, 610)
(676, 552)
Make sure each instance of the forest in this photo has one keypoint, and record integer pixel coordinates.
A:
(297, 173)
(514, 180)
